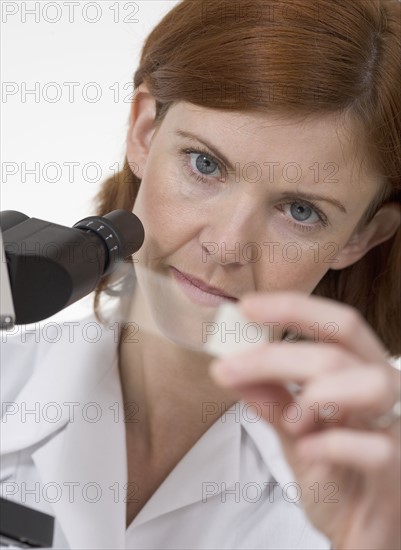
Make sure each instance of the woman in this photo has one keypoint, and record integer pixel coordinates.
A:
(263, 160)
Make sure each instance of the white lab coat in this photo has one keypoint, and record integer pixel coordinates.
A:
(233, 489)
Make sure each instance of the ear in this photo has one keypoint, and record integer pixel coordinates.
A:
(141, 129)
(381, 228)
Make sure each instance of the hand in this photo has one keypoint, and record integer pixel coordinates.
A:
(344, 385)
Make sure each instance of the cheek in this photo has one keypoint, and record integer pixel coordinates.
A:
(292, 267)
(168, 218)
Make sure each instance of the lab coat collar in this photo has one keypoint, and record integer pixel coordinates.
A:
(268, 444)
(214, 460)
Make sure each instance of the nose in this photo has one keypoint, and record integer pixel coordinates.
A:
(231, 232)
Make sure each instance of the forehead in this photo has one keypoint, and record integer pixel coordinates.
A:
(265, 134)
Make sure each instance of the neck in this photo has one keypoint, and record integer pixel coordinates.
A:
(168, 393)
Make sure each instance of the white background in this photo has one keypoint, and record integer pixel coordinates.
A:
(37, 130)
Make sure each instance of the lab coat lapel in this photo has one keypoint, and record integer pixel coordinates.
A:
(79, 459)
(269, 446)
(212, 464)
(86, 462)
(62, 377)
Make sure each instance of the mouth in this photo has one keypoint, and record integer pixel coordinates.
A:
(199, 291)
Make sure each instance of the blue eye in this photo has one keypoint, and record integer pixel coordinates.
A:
(204, 164)
(309, 215)
(303, 212)
(204, 167)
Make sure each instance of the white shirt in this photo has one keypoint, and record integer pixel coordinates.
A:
(233, 489)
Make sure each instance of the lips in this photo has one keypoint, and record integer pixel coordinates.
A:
(203, 286)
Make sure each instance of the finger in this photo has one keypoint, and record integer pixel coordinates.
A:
(369, 452)
(352, 396)
(319, 318)
(281, 362)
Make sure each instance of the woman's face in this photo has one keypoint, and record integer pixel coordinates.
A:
(279, 218)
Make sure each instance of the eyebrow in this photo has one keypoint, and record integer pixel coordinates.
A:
(289, 194)
(214, 149)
